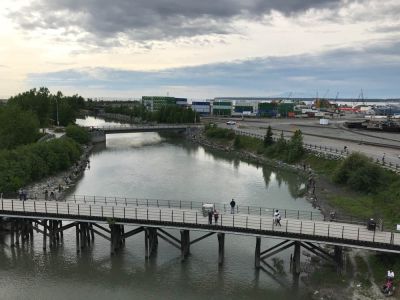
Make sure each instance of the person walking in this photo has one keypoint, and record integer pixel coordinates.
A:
(46, 195)
(233, 203)
(216, 215)
(277, 218)
(20, 194)
(383, 158)
(210, 217)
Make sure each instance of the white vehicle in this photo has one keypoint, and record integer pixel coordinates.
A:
(206, 208)
(230, 123)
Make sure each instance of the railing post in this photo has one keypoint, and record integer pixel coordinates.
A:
(67, 208)
(135, 212)
(23, 205)
(172, 216)
(126, 202)
(160, 215)
(260, 211)
(342, 231)
(113, 211)
(147, 214)
(328, 228)
(78, 210)
(233, 220)
(34, 205)
(314, 229)
(260, 223)
(247, 219)
(12, 205)
(301, 226)
(358, 234)
(183, 216)
(298, 214)
(221, 220)
(57, 207)
(196, 217)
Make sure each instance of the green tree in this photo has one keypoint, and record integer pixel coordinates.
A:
(295, 147)
(17, 127)
(268, 140)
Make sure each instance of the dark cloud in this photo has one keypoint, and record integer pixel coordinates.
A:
(146, 20)
(374, 68)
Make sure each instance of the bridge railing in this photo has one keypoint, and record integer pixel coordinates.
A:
(344, 233)
(195, 205)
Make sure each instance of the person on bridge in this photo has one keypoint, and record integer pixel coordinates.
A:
(277, 218)
(233, 203)
(216, 215)
(210, 217)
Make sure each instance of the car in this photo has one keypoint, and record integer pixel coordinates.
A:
(230, 123)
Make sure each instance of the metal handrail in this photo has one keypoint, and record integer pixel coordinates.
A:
(193, 205)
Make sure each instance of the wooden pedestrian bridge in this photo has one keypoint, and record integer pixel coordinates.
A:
(108, 218)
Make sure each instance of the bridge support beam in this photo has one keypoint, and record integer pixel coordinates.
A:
(185, 244)
(221, 248)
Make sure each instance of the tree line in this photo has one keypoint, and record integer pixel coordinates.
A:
(166, 114)
(24, 114)
(290, 151)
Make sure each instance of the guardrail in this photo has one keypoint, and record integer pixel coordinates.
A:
(318, 230)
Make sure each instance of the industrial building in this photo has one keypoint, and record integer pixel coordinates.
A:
(154, 103)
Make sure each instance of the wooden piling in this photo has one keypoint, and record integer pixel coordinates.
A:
(257, 254)
(44, 222)
(185, 244)
(221, 248)
(12, 233)
(296, 258)
(77, 237)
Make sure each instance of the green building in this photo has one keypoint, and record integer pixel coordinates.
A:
(222, 108)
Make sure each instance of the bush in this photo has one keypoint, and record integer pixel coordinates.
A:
(77, 133)
(220, 133)
(359, 173)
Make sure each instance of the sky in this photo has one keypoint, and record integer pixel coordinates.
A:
(201, 49)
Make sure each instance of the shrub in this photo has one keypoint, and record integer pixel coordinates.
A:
(77, 133)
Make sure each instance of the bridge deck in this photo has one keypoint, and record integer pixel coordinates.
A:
(312, 230)
(143, 128)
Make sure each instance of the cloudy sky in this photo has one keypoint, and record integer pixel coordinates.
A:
(199, 49)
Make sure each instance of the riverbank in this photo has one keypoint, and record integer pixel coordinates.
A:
(58, 185)
(351, 284)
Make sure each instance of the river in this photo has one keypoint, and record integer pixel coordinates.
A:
(147, 165)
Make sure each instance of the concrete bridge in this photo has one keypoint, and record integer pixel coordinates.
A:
(108, 218)
(99, 133)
